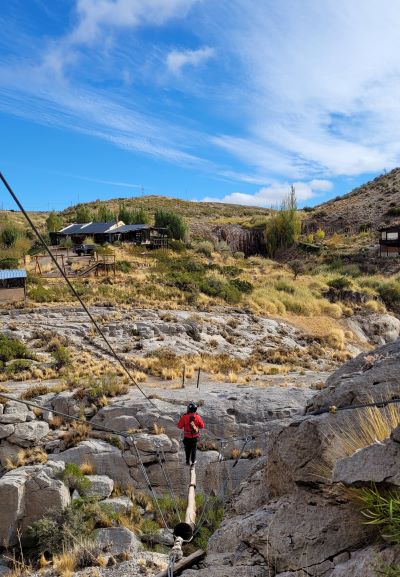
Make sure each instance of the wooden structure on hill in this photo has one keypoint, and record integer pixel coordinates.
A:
(389, 241)
(102, 232)
(12, 285)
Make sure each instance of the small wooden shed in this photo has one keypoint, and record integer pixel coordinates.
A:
(389, 241)
(12, 285)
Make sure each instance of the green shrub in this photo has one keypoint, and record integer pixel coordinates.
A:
(204, 247)
(284, 227)
(11, 349)
(18, 366)
(61, 357)
(222, 246)
(9, 263)
(390, 293)
(394, 211)
(340, 283)
(123, 266)
(285, 286)
(138, 216)
(73, 478)
(382, 510)
(174, 223)
(9, 235)
(238, 255)
(177, 246)
(242, 285)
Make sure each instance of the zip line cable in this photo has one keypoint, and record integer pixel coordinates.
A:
(73, 289)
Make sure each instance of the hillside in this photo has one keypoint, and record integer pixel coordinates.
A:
(214, 212)
(370, 206)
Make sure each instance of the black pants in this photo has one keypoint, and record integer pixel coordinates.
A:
(190, 449)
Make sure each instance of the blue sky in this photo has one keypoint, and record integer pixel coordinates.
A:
(232, 100)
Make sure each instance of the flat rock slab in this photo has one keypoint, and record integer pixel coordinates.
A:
(117, 540)
(101, 486)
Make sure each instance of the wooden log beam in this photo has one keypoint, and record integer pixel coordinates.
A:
(184, 563)
(190, 517)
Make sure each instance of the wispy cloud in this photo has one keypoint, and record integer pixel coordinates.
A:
(319, 93)
(178, 59)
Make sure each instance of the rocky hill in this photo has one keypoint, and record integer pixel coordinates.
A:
(370, 206)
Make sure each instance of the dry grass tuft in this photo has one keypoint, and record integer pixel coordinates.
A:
(157, 429)
(87, 468)
(25, 457)
(76, 433)
(65, 564)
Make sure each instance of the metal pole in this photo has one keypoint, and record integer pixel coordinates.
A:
(183, 376)
(198, 377)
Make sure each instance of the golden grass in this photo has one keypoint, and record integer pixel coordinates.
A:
(362, 428)
(87, 468)
(24, 457)
(65, 564)
(76, 433)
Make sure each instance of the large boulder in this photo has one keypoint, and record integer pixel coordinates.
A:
(14, 412)
(105, 459)
(26, 494)
(101, 486)
(117, 540)
(29, 434)
(377, 463)
(372, 375)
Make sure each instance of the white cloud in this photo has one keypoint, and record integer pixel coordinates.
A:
(321, 84)
(95, 15)
(177, 59)
(273, 195)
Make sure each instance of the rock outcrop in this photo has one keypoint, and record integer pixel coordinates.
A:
(26, 494)
(291, 517)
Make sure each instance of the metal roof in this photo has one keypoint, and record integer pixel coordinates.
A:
(130, 228)
(12, 273)
(390, 228)
(89, 228)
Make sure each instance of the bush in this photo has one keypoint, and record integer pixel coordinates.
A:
(394, 211)
(177, 246)
(389, 293)
(242, 285)
(107, 386)
(123, 266)
(222, 246)
(382, 510)
(61, 357)
(9, 235)
(74, 479)
(340, 283)
(9, 263)
(11, 349)
(18, 366)
(283, 228)
(204, 247)
(175, 225)
(238, 255)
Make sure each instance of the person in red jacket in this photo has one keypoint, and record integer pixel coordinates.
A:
(191, 423)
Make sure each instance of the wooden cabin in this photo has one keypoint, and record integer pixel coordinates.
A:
(101, 232)
(12, 285)
(389, 241)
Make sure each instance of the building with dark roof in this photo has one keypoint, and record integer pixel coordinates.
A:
(389, 240)
(12, 285)
(102, 232)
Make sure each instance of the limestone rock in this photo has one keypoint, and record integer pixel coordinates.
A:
(376, 463)
(368, 562)
(6, 431)
(161, 537)
(372, 375)
(26, 494)
(65, 402)
(118, 504)
(379, 329)
(105, 458)
(101, 486)
(117, 540)
(14, 412)
(29, 434)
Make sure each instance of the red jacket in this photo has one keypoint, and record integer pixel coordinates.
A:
(184, 423)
